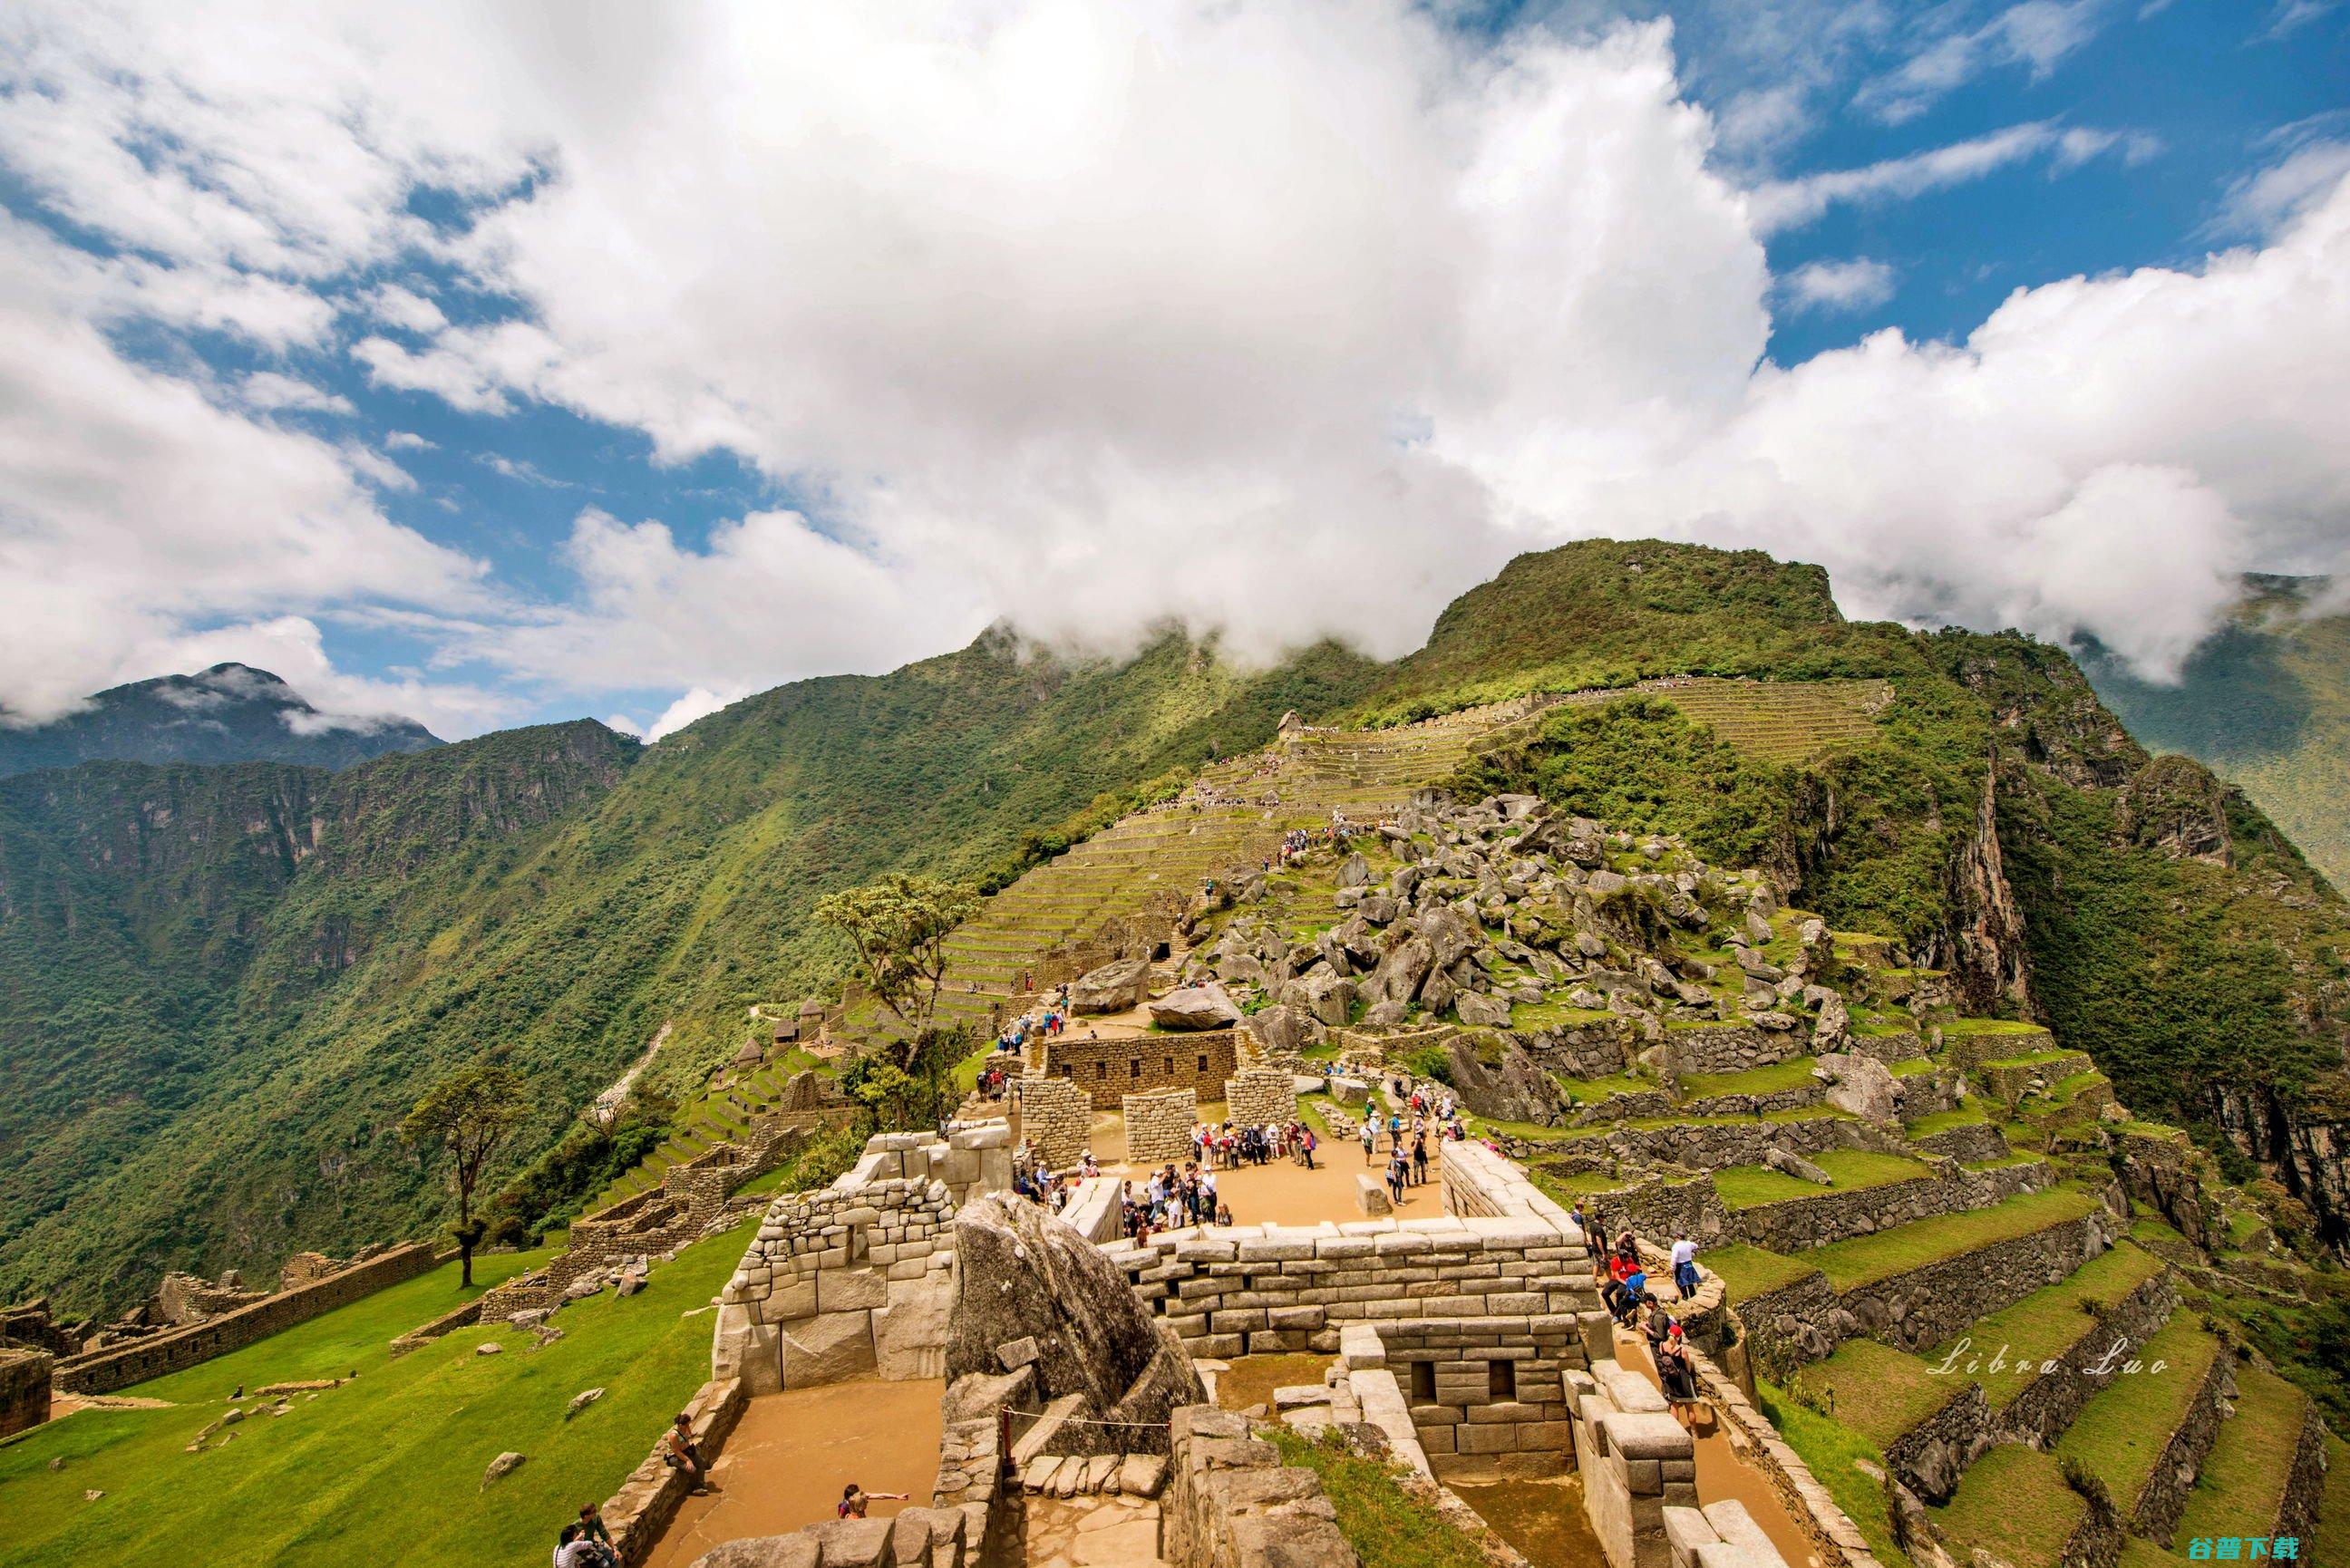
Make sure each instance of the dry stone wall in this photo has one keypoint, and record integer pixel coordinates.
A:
(854, 1280)
(1057, 1119)
(1230, 1503)
(1261, 1097)
(1159, 1125)
(103, 1371)
(1109, 1068)
(24, 1389)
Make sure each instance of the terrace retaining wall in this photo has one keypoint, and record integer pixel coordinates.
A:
(104, 1371)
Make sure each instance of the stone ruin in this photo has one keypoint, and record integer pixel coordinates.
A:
(1259, 1096)
(1159, 1125)
(1055, 1119)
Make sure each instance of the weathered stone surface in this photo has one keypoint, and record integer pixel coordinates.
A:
(1202, 1006)
(1112, 988)
(1797, 1166)
(830, 1347)
(798, 1550)
(1023, 1274)
(1862, 1085)
(504, 1465)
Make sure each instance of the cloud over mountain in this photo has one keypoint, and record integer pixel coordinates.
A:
(1291, 319)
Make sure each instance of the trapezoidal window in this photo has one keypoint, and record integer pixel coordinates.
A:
(1204, 1064)
(1502, 1379)
(1423, 1382)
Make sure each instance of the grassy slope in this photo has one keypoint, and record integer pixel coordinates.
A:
(387, 1469)
(679, 894)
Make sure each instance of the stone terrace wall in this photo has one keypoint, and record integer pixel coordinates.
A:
(853, 1279)
(1159, 1125)
(1487, 1396)
(1972, 1142)
(24, 1389)
(104, 1371)
(1229, 1503)
(2163, 1498)
(1730, 1047)
(1055, 1119)
(1805, 1321)
(1257, 1096)
(1112, 1067)
(1799, 1224)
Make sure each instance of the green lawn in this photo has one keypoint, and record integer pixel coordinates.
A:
(2120, 1433)
(1834, 1453)
(1775, 1079)
(2014, 1501)
(1913, 1066)
(1531, 1016)
(2046, 1323)
(1750, 1271)
(1906, 1247)
(1744, 1186)
(2243, 1475)
(2029, 1059)
(1965, 1116)
(1989, 1026)
(386, 1469)
(1590, 1091)
(1387, 1526)
(1878, 1391)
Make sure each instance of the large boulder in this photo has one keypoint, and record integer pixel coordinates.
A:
(1023, 1274)
(1494, 1076)
(1285, 1029)
(1322, 995)
(1483, 1011)
(1113, 988)
(1400, 972)
(1355, 872)
(1861, 1085)
(1450, 935)
(1203, 1006)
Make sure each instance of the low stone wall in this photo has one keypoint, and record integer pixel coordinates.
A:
(1833, 1535)
(1635, 1459)
(24, 1389)
(853, 1279)
(1802, 1096)
(1055, 1118)
(1730, 1048)
(1599, 1049)
(1970, 1143)
(1230, 1503)
(1656, 1207)
(2008, 1085)
(1930, 1457)
(2155, 1511)
(104, 1371)
(1888, 1048)
(1261, 1097)
(462, 1315)
(2304, 1486)
(1805, 1320)
(641, 1510)
(1636, 1106)
(1700, 1146)
(1800, 1224)
(1230, 1290)
(1159, 1125)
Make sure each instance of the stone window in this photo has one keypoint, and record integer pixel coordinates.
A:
(1502, 1379)
(1134, 1068)
(1101, 1069)
(1423, 1382)
(1204, 1064)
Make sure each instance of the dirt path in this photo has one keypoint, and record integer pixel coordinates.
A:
(1720, 1471)
(793, 1452)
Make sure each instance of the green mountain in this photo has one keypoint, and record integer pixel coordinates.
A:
(2266, 704)
(223, 986)
(229, 714)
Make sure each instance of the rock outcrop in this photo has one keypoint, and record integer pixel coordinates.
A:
(1112, 988)
(1203, 1006)
(1029, 1289)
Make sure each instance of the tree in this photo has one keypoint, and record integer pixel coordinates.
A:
(469, 1113)
(899, 927)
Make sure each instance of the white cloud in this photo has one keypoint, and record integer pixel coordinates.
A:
(698, 703)
(1294, 319)
(406, 440)
(293, 649)
(269, 391)
(2036, 35)
(404, 308)
(130, 505)
(1790, 203)
(2263, 203)
(1858, 283)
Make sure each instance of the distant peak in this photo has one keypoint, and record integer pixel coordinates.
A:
(244, 677)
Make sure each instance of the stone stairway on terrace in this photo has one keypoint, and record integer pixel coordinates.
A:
(1231, 816)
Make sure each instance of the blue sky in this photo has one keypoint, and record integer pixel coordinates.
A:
(590, 361)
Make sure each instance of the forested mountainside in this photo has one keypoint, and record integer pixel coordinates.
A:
(223, 986)
(229, 714)
(2266, 704)
(218, 1078)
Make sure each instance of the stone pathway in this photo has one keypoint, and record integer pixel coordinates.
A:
(1093, 1532)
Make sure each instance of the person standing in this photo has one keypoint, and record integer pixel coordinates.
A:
(1419, 1158)
(1685, 1273)
(1370, 1139)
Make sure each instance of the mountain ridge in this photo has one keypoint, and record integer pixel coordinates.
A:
(229, 713)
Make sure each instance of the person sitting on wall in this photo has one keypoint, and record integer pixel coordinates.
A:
(572, 1551)
(680, 1452)
(1677, 1373)
(591, 1530)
